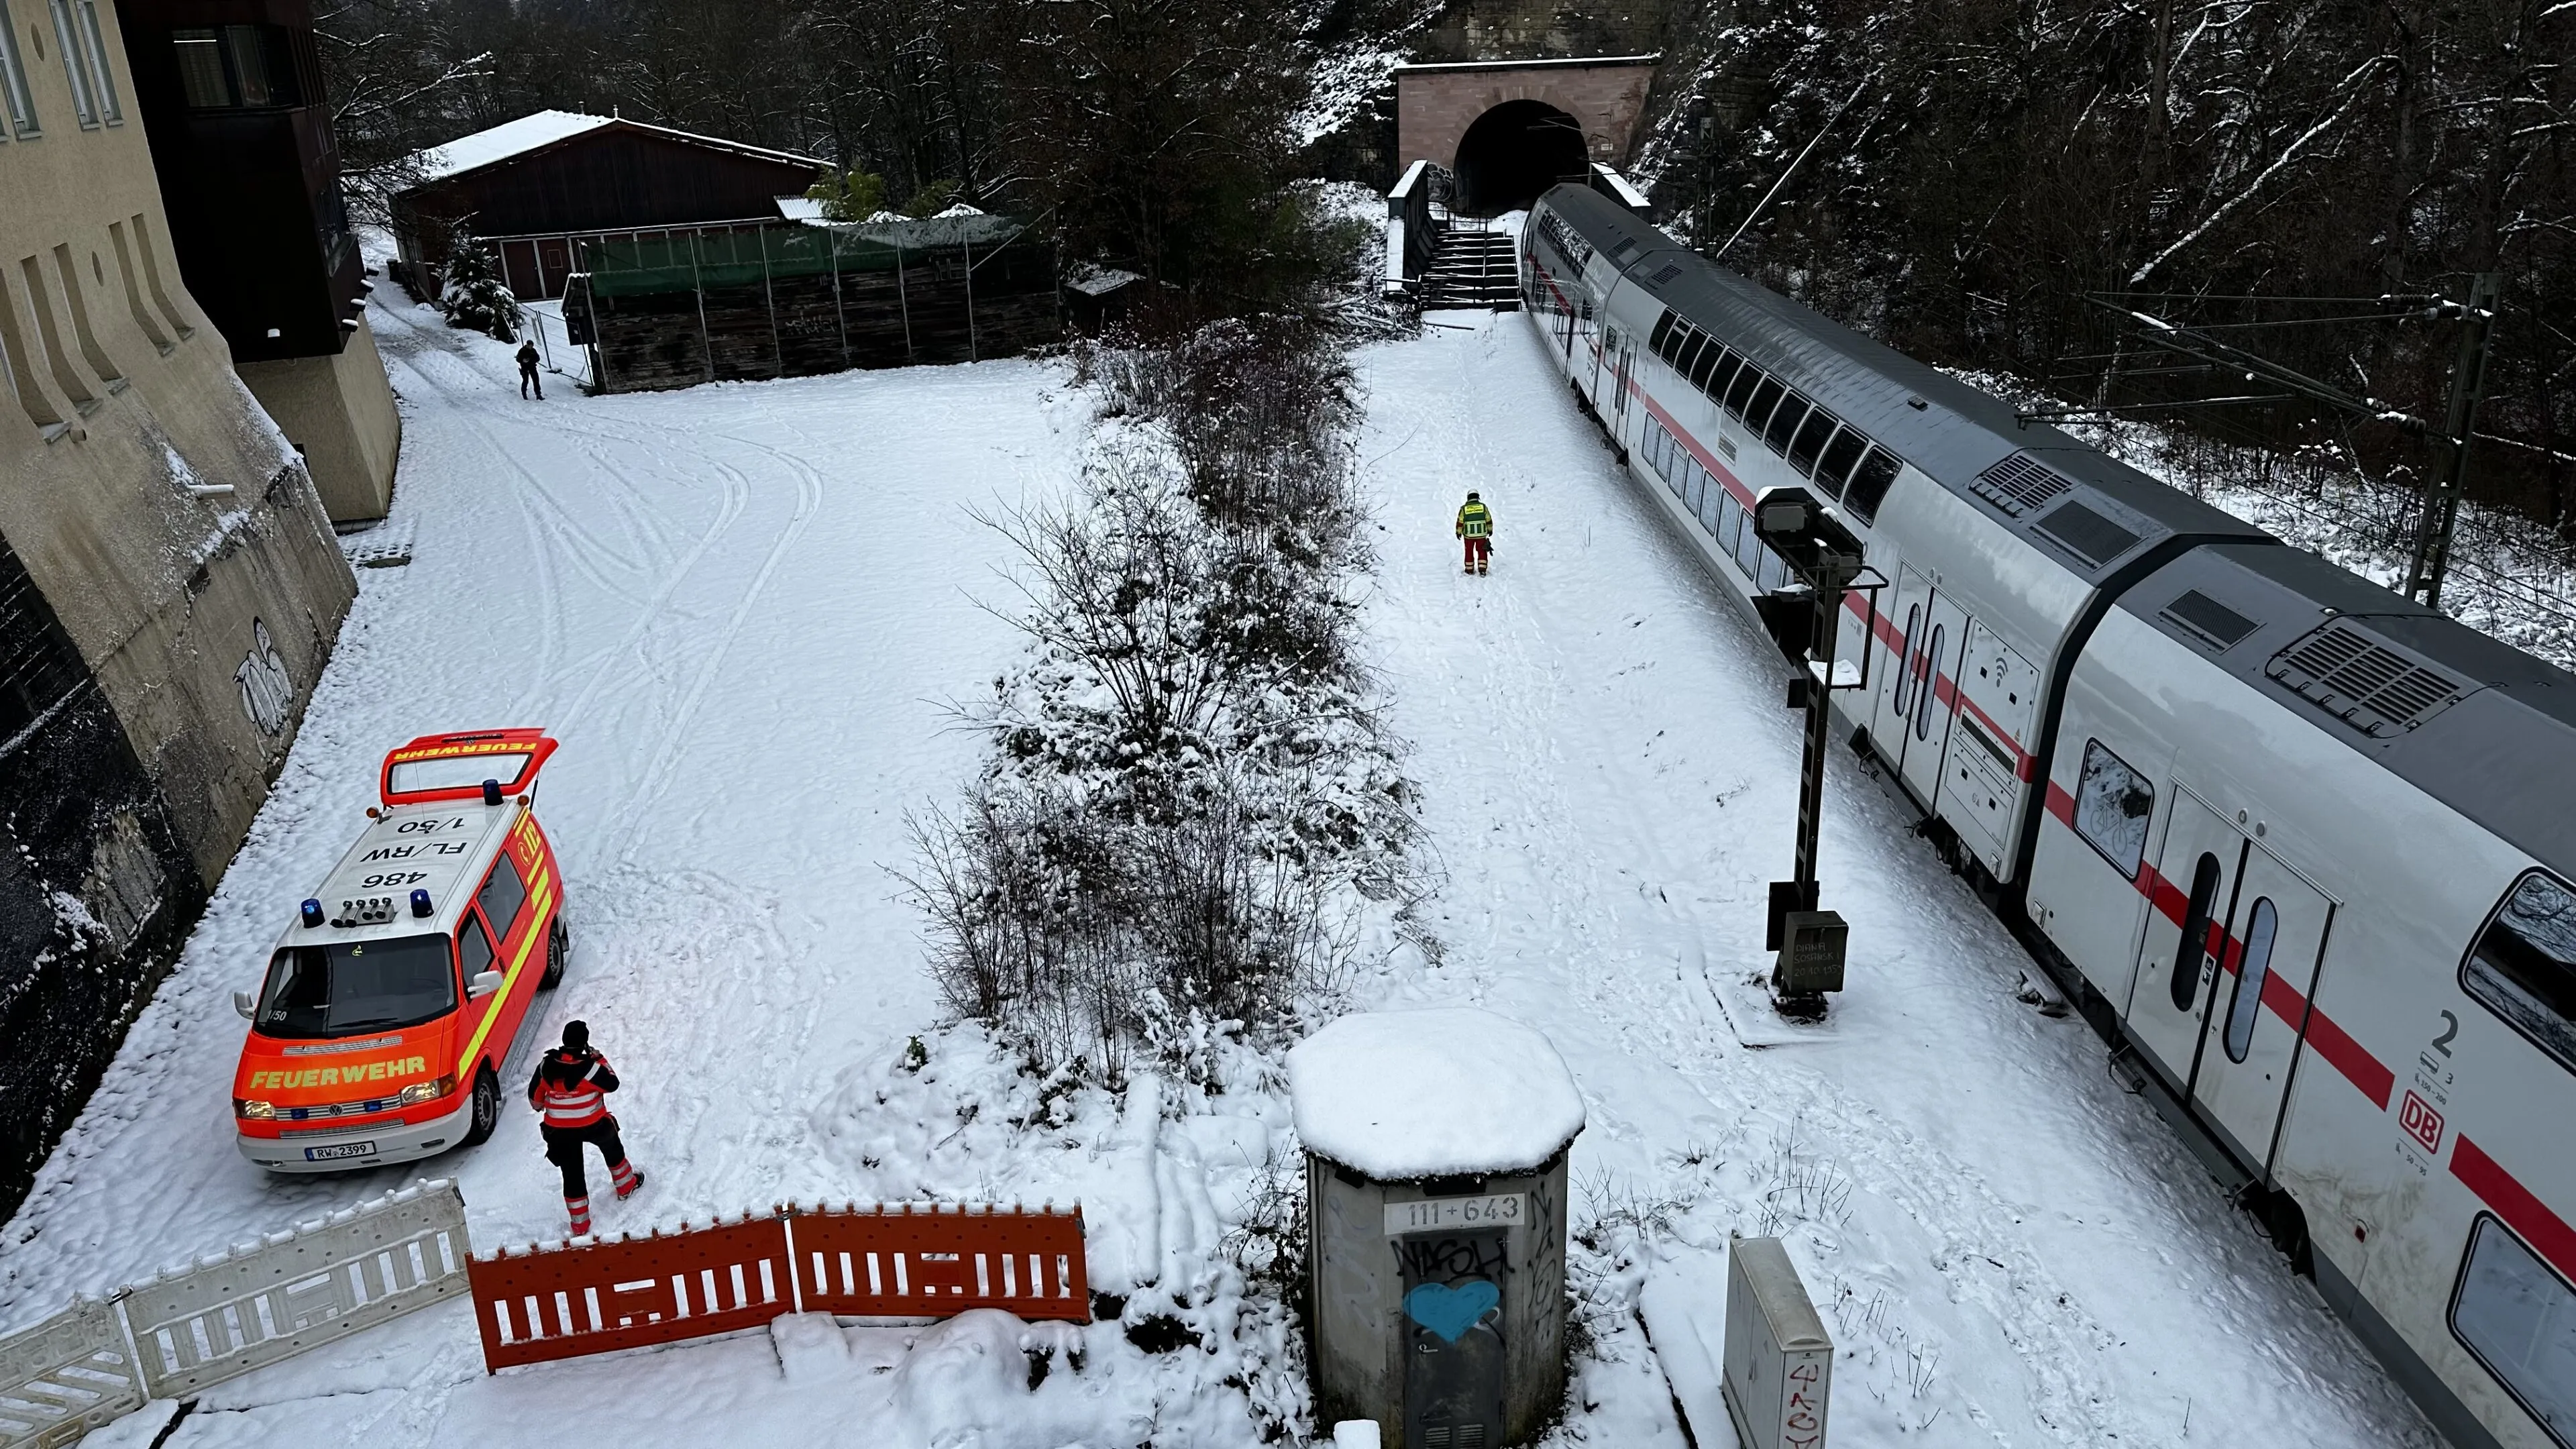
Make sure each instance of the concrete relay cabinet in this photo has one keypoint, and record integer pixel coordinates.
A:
(1436, 1198)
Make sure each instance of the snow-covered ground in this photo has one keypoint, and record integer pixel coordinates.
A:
(742, 608)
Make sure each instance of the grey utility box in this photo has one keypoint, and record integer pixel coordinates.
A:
(1779, 1363)
(1436, 1199)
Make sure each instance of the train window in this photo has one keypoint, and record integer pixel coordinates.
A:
(1785, 421)
(1904, 659)
(1684, 360)
(1727, 519)
(1870, 482)
(1707, 364)
(1698, 488)
(1740, 391)
(1679, 479)
(1663, 329)
(2519, 1318)
(1713, 508)
(1748, 544)
(1721, 375)
(1810, 442)
(2191, 953)
(1765, 398)
(2112, 805)
(2524, 965)
(2261, 926)
(1836, 465)
(1927, 685)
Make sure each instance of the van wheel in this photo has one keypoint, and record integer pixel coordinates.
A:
(487, 1108)
(558, 950)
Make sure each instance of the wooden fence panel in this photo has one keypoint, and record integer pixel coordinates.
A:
(934, 1261)
(552, 1303)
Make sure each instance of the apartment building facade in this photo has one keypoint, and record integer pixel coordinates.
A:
(170, 588)
(230, 92)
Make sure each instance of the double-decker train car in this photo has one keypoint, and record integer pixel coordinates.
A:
(2300, 847)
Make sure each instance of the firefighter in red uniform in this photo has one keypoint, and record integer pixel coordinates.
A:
(570, 1091)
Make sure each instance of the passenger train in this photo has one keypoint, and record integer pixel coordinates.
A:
(2300, 848)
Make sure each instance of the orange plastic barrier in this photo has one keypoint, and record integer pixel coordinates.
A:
(550, 1303)
(906, 1262)
(912, 1262)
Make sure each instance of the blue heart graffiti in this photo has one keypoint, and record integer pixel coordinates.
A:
(1450, 1312)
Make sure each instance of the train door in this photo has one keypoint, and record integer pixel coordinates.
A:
(1929, 699)
(2185, 938)
(2273, 941)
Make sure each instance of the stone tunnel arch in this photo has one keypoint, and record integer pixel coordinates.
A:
(1513, 153)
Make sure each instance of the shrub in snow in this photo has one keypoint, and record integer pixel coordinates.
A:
(473, 295)
(1190, 804)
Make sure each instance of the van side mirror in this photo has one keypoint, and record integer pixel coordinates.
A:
(483, 984)
(245, 1003)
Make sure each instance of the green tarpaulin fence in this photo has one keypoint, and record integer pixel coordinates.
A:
(643, 266)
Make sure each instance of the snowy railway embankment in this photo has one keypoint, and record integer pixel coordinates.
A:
(751, 613)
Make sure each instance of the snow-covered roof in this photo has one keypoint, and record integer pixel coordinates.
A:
(508, 139)
(800, 208)
(545, 128)
(1441, 1092)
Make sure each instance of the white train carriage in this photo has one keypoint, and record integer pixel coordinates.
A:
(2300, 846)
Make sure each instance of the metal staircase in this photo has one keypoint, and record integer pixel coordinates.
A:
(1473, 265)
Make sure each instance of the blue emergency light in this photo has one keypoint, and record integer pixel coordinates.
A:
(420, 903)
(312, 913)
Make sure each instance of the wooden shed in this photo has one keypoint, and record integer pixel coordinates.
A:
(539, 186)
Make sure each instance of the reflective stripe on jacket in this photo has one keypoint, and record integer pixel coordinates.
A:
(572, 1091)
(1475, 521)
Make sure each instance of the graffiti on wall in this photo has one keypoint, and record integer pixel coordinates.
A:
(267, 694)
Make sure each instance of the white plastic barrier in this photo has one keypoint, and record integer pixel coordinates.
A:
(64, 1377)
(297, 1290)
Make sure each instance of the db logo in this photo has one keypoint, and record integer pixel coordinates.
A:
(2420, 1121)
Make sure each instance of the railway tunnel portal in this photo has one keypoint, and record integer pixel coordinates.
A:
(1510, 129)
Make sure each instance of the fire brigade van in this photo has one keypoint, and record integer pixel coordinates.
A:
(390, 1004)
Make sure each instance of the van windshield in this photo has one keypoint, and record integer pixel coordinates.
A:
(354, 986)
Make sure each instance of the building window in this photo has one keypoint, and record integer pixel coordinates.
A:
(19, 102)
(2519, 1318)
(2524, 965)
(2112, 804)
(94, 46)
(76, 66)
(2261, 926)
(235, 67)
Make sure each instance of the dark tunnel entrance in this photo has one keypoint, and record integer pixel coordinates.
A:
(1513, 153)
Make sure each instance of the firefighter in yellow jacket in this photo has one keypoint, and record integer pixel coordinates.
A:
(1476, 526)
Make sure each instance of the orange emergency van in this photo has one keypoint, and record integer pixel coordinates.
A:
(389, 1006)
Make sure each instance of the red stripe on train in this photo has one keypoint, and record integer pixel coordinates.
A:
(2521, 1211)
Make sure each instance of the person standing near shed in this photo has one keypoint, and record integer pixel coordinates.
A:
(528, 370)
(570, 1091)
(1476, 526)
